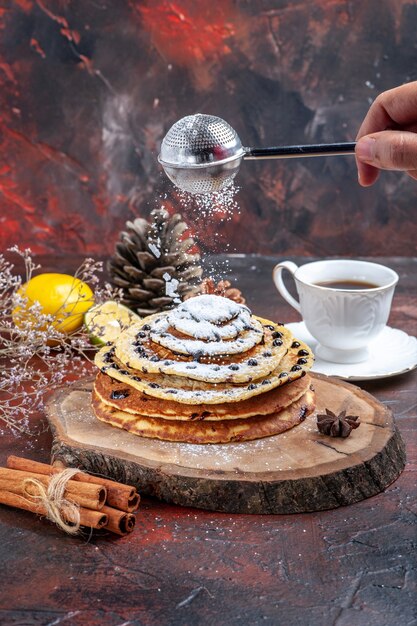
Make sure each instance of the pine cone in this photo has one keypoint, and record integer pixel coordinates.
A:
(152, 263)
(222, 288)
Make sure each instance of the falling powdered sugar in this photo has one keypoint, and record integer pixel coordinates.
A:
(155, 251)
(210, 218)
(221, 204)
(171, 286)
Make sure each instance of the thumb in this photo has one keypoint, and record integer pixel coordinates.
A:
(388, 150)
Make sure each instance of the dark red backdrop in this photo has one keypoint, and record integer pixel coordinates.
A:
(89, 88)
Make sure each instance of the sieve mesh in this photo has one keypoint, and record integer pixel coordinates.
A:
(201, 180)
(201, 153)
(195, 134)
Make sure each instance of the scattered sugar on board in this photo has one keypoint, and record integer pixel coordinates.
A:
(252, 456)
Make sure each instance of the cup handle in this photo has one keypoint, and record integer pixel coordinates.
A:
(279, 283)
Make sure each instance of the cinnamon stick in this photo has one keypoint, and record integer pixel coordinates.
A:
(88, 517)
(119, 522)
(119, 496)
(90, 496)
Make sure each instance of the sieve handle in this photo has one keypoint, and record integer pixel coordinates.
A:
(292, 152)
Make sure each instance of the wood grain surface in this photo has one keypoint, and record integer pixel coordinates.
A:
(294, 472)
(351, 566)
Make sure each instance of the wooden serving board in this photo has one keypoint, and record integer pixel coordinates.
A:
(297, 471)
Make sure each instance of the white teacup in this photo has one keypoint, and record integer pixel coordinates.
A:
(343, 320)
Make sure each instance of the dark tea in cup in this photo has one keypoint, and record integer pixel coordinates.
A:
(347, 284)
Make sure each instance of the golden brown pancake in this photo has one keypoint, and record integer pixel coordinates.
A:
(293, 365)
(124, 397)
(203, 432)
(136, 349)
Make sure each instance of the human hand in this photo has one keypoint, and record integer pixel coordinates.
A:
(387, 138)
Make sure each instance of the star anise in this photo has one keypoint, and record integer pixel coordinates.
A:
(337, 425)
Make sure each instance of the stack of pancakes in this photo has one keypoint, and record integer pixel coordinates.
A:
(205, 372)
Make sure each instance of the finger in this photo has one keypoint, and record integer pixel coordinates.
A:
(394, 108)
(376, 119)
(388, 150)
(367, 174)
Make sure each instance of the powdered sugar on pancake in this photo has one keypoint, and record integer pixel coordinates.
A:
(209, 308)
(210, 331)
(215, 324)
(196, 347)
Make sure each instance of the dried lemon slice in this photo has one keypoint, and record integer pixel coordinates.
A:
(106, 321)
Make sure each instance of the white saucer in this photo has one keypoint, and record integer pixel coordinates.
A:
(393, 352)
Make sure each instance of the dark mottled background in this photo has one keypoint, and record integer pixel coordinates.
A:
(89, 88)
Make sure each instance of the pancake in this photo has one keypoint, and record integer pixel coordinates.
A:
(155, 346)
(124, 397)
(213, 345)
(211, 431)
(296, 362)
(144, 354)
(211, 318)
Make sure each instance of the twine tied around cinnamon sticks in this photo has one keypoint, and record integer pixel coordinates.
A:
(57, 508)
(69, 497)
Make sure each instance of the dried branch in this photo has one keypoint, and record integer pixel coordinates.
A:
(35, 356)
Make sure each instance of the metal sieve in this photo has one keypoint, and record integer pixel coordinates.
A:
(202, 153)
